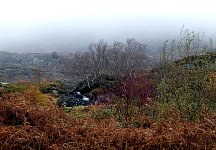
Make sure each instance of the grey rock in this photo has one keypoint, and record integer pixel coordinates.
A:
(54, 92)
(69, 84)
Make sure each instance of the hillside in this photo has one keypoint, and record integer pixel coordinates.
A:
(138, 112)
(27, 67)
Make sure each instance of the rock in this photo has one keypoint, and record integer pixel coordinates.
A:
(73, 98)
(69, 84)
(54, 88)
(85, 98)
(78, 93)
(3, 83)
(54, 92)
(76, 102)
(70, 101)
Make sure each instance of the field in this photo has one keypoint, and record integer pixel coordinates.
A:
(144, 112)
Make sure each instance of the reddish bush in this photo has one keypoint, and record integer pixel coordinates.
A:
(136, 90)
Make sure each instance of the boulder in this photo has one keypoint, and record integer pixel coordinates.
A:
(69, 84)
(54, 92)
(73, 100)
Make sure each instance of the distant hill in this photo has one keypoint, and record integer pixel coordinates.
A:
(31, 66)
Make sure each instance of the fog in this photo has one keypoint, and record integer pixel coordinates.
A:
(49, 25)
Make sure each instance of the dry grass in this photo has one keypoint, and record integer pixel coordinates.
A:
(24, 125)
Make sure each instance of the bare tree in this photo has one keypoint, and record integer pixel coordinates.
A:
(116, 56)
(101, 58)
(136, 57)
(190, 43)
(98, 54)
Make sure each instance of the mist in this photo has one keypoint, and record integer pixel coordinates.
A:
(70, 26)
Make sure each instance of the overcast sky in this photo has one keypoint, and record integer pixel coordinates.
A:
(40, 25)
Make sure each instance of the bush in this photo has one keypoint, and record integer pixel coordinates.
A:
(27, 126)
(103, 114)
(16, 87)
(185, 90)
(35, 97)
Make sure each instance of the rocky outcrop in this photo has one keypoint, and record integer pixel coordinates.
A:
(67, 95)
(74, 98)
(69, 84)
(75, 93)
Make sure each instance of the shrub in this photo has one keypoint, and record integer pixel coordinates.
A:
(185, 90)
(24, 126)
(103, 114)
(133, 93)
(135, 90)
(16, 87)
(37, 98)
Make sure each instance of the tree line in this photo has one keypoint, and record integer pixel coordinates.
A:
(116, 59)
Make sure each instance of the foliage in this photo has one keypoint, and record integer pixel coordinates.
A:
(198, 62)
(35, 97)
(23, 126)
(135, 89)
(106, 59)
(188, 87)
(172, 107)
(104, 113)
(54, 55)
(16, 87)
(129, 96)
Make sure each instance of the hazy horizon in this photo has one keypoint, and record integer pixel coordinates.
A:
(39, 26)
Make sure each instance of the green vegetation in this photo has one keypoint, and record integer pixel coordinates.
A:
(17, 87)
